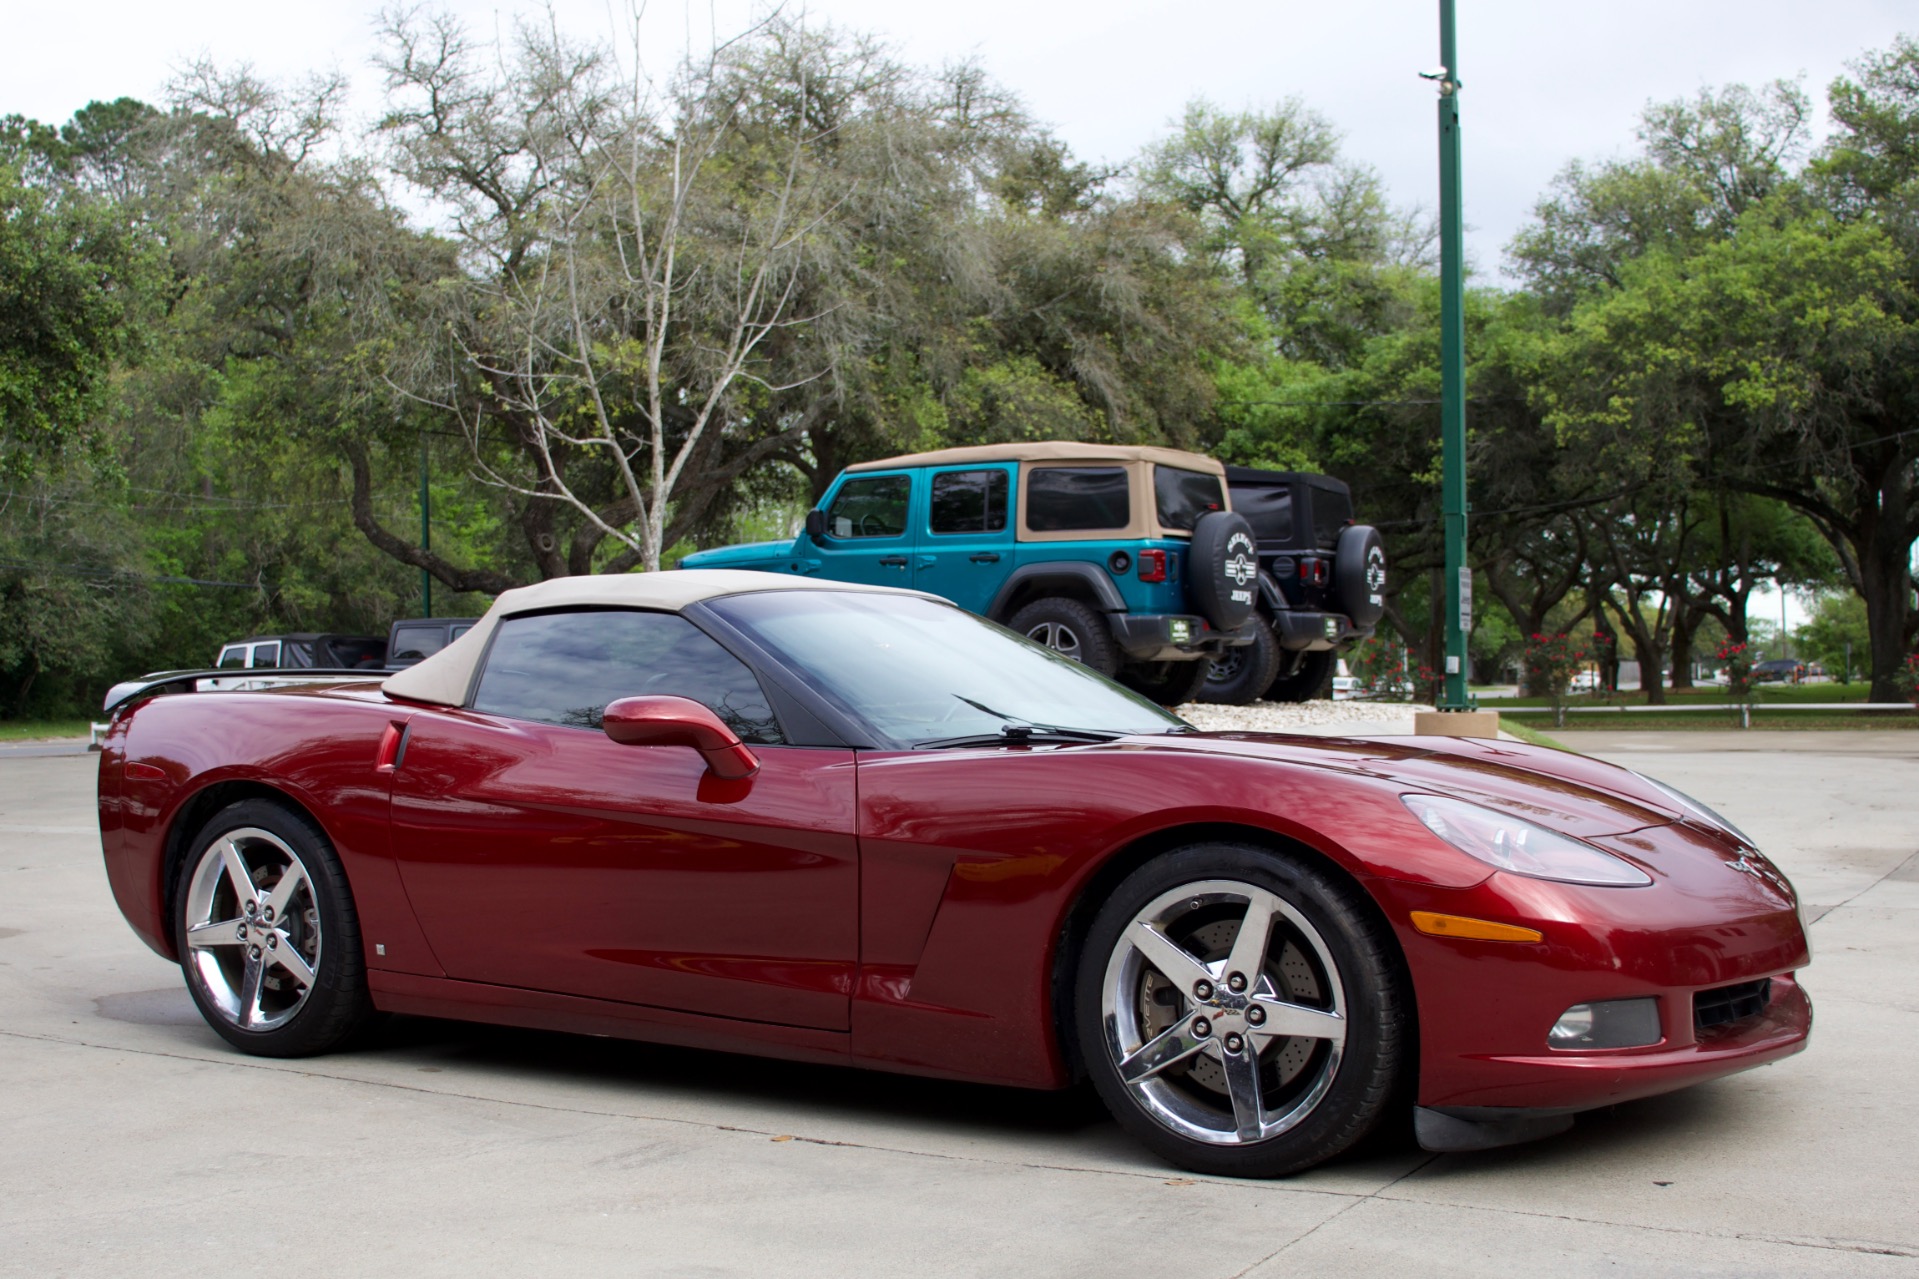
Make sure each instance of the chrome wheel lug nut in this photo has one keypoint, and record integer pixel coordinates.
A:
(273, 941)
(1202, 1028)
(1234, 1043)
(252, 907)
(253, 952)
(1255, 1015)
(267, 914)
(1236, 983)
(1202, 990)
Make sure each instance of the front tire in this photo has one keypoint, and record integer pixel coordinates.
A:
(267, 934)
(1234, 1052)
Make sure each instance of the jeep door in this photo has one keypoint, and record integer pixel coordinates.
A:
(965, 546)
(870, 519)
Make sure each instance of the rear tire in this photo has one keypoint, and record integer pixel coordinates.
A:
(267, 934)
(1236, 1054)
(1167, 683)
(1070, 629)
(1304, 678)
(1240, 675)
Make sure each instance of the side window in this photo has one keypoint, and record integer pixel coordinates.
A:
(969, 502)
(1184, 496)
(563, 668)
(1062, 498)
(870, 506)
(265, 655)
(233, 655)
(411, 643)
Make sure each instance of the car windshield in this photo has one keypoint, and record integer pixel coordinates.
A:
(921, 672)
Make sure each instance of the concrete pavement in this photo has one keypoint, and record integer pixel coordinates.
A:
(133, 1139)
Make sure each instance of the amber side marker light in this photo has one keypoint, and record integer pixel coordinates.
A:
(1436, 925)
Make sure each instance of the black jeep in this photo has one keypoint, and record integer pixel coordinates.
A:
(1322, 586)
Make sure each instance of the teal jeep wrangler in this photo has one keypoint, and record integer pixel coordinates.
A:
(1128, 559)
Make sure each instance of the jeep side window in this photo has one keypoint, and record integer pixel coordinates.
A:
(233, 655)
(1066, 498)
(265, 655)
(1184, 496)
(870, 506)
(969, 501)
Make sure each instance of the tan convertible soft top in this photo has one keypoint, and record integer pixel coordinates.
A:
(1049, 451)
(445, 677)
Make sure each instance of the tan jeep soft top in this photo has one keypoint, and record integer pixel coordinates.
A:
(1144, 519)
(1049, 451)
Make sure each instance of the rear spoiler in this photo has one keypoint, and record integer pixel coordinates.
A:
(233, 679)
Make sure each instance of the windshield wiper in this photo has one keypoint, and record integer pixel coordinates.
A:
(1025, 734)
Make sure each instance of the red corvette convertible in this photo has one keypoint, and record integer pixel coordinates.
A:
(817, 821)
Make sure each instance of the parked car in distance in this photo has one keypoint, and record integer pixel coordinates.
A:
(1129, 559)
(415, 638)
(304, 651)
(1779, 670)
(1322, 586)
(836, 823)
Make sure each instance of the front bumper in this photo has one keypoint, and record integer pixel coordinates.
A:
(1156, 637)
(1486, 1007)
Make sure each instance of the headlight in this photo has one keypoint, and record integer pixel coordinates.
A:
(1697, 809)
(1519, 846)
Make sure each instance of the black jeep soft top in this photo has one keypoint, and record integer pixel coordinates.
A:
(1322, 584)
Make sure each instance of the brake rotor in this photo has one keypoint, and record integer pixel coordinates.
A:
(1292, 979)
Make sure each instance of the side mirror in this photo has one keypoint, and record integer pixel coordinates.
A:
(680, 721)
(816, 524)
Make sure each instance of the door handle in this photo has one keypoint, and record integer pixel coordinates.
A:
(985, 557)
(893, 561)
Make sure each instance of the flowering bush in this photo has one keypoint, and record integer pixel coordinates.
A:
(1738, 662)
(1379, 667)
(1906, 678)
(1551, 661)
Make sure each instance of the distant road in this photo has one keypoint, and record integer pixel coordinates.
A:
(41, 749)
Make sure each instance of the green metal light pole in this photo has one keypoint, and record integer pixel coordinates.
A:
(426, 532)
(1452, 366)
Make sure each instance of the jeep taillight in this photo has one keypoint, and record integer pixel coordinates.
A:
(1152, 566)
(1313, 572)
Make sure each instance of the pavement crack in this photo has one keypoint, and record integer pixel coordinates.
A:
(1824, 1242)
(1155, 1175)
(1906, 868)
(1357, 1201)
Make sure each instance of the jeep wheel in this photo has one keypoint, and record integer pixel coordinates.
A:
(1240, 675)
(1166, 683)
(1302, 676)
(1070, 629)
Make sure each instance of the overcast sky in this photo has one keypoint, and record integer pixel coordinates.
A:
(1544, 82)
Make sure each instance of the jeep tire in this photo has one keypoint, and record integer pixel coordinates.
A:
(1222, 569)
(1241, 675)
(1070, 629)
(1359, 575)
(1166, 683)
(1302, 676)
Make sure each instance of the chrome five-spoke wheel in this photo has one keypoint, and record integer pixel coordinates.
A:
(1224, 1012)
(268, 935)
(1242, 1011)
(252, 929)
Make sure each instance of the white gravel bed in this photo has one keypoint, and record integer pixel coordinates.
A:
(1360, 719)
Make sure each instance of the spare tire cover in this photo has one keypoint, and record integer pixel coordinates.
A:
(1359, 574)
(1222, 569)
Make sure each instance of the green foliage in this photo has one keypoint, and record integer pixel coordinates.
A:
(1835, 636)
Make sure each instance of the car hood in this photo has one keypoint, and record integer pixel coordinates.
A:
(748, 555)
(1581, 797)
